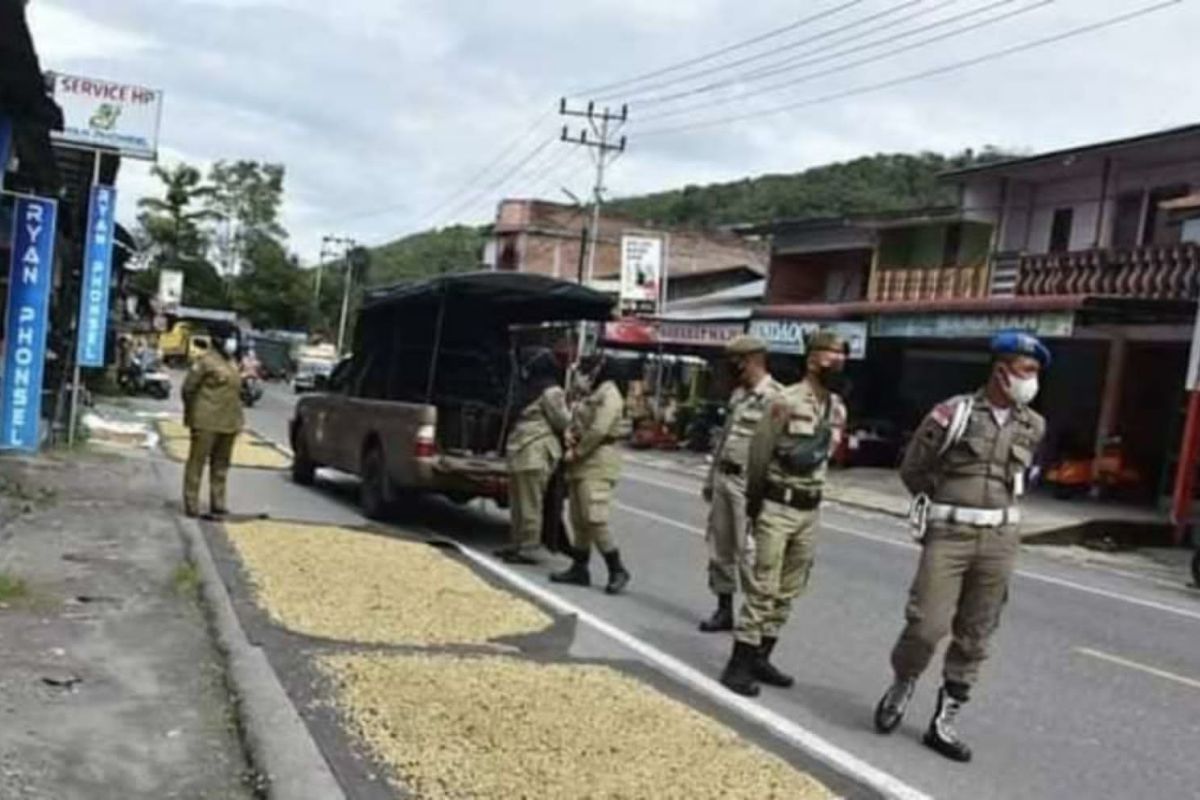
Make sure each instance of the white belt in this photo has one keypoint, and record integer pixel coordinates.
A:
(979, 517)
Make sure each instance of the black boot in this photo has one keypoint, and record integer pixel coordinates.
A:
(722, 618)
(618, 576)
(765, 671)
(893, 704)
(942, 735)
(739, 672)
(576, 574)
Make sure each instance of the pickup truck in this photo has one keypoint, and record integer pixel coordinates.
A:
(425, 402)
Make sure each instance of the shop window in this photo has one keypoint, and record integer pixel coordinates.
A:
(1128, 220)
(1158, 229)
(1060, 230)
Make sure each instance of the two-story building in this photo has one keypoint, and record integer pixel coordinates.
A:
(1094, 248)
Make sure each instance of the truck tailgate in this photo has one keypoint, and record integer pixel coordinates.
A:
(485, 475)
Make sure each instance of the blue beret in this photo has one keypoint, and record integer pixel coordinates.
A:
(1017, 343)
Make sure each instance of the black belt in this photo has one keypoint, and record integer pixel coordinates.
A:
(799, 499)
(731, 468)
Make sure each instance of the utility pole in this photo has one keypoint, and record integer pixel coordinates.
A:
(329, 245)
(604, 126)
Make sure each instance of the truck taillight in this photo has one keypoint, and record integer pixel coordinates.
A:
(426, 444)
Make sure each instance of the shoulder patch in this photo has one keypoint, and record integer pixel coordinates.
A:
(943, 413)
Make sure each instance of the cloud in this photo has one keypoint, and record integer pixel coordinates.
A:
(382, 110)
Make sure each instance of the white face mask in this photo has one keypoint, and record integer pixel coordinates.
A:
(230, 346)
(1021, 390)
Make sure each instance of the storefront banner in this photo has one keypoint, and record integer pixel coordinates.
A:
(787, 335)
(26, 322)
(106, 115)
(97, 276)
(713, 334)
(170, 288)
(641, 270)
(1050, 324)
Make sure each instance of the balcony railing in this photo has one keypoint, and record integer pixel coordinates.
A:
(895, 284)
(1156, 271)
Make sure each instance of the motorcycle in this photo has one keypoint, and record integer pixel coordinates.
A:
(252, 390)
(139, 379)
(1108, 473)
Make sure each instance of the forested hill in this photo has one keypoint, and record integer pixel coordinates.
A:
(873, 183)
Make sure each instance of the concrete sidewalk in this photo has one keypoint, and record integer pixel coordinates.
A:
(110, 686)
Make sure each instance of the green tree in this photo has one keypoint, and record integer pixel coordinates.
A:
(244, 199)
(272, 292)
(174, 227)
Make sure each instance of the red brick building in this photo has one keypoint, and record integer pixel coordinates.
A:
(543, 237)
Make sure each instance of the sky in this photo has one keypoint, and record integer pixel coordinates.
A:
(387, 112)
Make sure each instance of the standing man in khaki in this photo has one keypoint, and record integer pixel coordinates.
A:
(966, 465)
(593, 467)
(212, 411)
(725, 488)
(533, 452)
(789, 455)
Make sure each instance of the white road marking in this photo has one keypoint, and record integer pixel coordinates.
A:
(910, 545)
(1124, 662)
(800, 737)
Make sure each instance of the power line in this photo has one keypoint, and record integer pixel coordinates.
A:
(870, 59)
(638, 98)
(946, 68)
(471, 201)
(596, 91)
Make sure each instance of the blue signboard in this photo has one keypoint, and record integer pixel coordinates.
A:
(97, 263)
(26, 322)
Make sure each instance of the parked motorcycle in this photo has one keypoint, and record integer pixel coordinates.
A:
(1109, 472)
(142, 379)
(252, 390)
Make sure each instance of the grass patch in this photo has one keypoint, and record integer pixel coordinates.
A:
(12, 588)
(186, 579)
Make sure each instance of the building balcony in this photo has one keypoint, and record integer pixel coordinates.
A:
(896, 284)
(1169, 272)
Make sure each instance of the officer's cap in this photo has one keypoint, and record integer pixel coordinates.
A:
(825, 339)
(745, 345)
(1018, 343)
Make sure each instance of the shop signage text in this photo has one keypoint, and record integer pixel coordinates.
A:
(97, 275)
(641, 271)
(109, 115)
(699, 333)
(938, 326)
(787, 335)
(25, 327)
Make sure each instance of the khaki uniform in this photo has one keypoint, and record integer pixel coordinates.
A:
(592, 473)
(779, 555)
(212, 410)
(726, 529)
(533, 452)
(962, 581)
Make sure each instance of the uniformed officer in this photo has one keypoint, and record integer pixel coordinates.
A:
(968, 462)
(725, 487)
(789, 454)
(212, 411)
(593, 466)
(533, 452)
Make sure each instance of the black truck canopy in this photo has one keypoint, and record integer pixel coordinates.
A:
(506, 298)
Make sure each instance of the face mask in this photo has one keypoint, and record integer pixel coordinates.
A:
(230, 346)
(1021, 390)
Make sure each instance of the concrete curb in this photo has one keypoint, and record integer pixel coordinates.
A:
(279, 744)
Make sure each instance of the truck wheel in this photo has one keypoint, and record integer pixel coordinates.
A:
(373, 492)
(304, 471)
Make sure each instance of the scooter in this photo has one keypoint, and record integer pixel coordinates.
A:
(1108, 472)
(252, 390)
(137, 379)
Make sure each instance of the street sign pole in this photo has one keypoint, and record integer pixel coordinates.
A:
(76, 372)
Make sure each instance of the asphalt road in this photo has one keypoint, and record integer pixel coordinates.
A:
(1093, 689)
